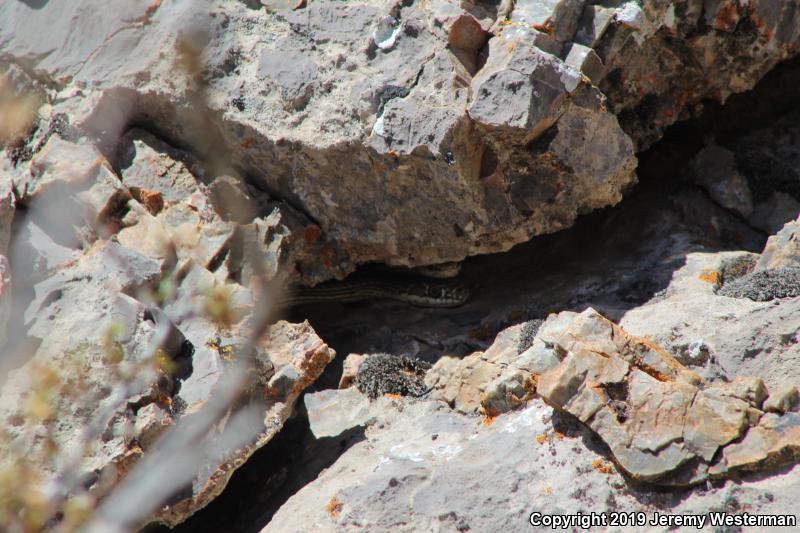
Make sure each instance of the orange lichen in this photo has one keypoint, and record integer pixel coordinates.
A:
(602, 466)
(541, 438)
(709, 276)
(151, 200)
(334, 507)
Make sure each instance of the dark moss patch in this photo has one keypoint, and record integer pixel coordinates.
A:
(389, 374)
(737, 267)
(528, 333)
(765, 285)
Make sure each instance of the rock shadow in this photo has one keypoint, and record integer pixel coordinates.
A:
(268, 479)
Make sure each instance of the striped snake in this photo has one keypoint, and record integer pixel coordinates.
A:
(421, 293)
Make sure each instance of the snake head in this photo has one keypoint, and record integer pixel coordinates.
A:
(443, 295)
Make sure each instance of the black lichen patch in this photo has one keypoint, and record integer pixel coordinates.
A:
(528, 333)
(737, 267)
(388, 374)
(765, 285)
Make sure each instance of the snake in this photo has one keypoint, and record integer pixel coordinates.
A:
(417, 292)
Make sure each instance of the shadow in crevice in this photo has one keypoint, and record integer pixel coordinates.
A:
(35, 4)
(287, 463)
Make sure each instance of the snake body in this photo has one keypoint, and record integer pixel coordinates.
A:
(421, 293)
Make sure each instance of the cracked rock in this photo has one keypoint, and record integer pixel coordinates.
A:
(662, 423)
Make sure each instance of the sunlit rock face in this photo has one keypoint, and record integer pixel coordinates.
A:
(410, 133)
(178, 157)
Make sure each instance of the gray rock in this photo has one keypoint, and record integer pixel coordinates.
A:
(783, 248)
(365, 77)
(716, 171)
(151, 421)
(5, 297)
(586, 61)
(73, 191)
(423, 467)
(660, 421)
(745, 337)
(7, 209)
(770, 215)
(332, 412)
(406, 133)
(636, 36)
(309, 133)
(147, 162)
(292, 72)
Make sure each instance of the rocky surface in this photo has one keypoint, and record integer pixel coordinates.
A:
(726, 336)
(423, 466)
(783, 248)
(125, 313)
(309, 104)
(167, 167)
(661, 422)
(688, 418)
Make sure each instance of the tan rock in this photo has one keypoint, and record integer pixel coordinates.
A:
(151, 421)
(350, 369)
(662, 423)
(774, 442)
(782, 400)
(783, 248)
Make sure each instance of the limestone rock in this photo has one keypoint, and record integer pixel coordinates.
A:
(783, 248)
(461, 382)
(331, 412)
(683, 42)
(151, 421)
(424, 467)
(782, 400)
(74, 191)
(311, 121)
(5, 297)
(296, 357)
(340, 94)
(116, 272)
(218, 141)
(7, 209)
(79, 311)
(743, 337)
(350, 369)
(662, 423)
(772, 442)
